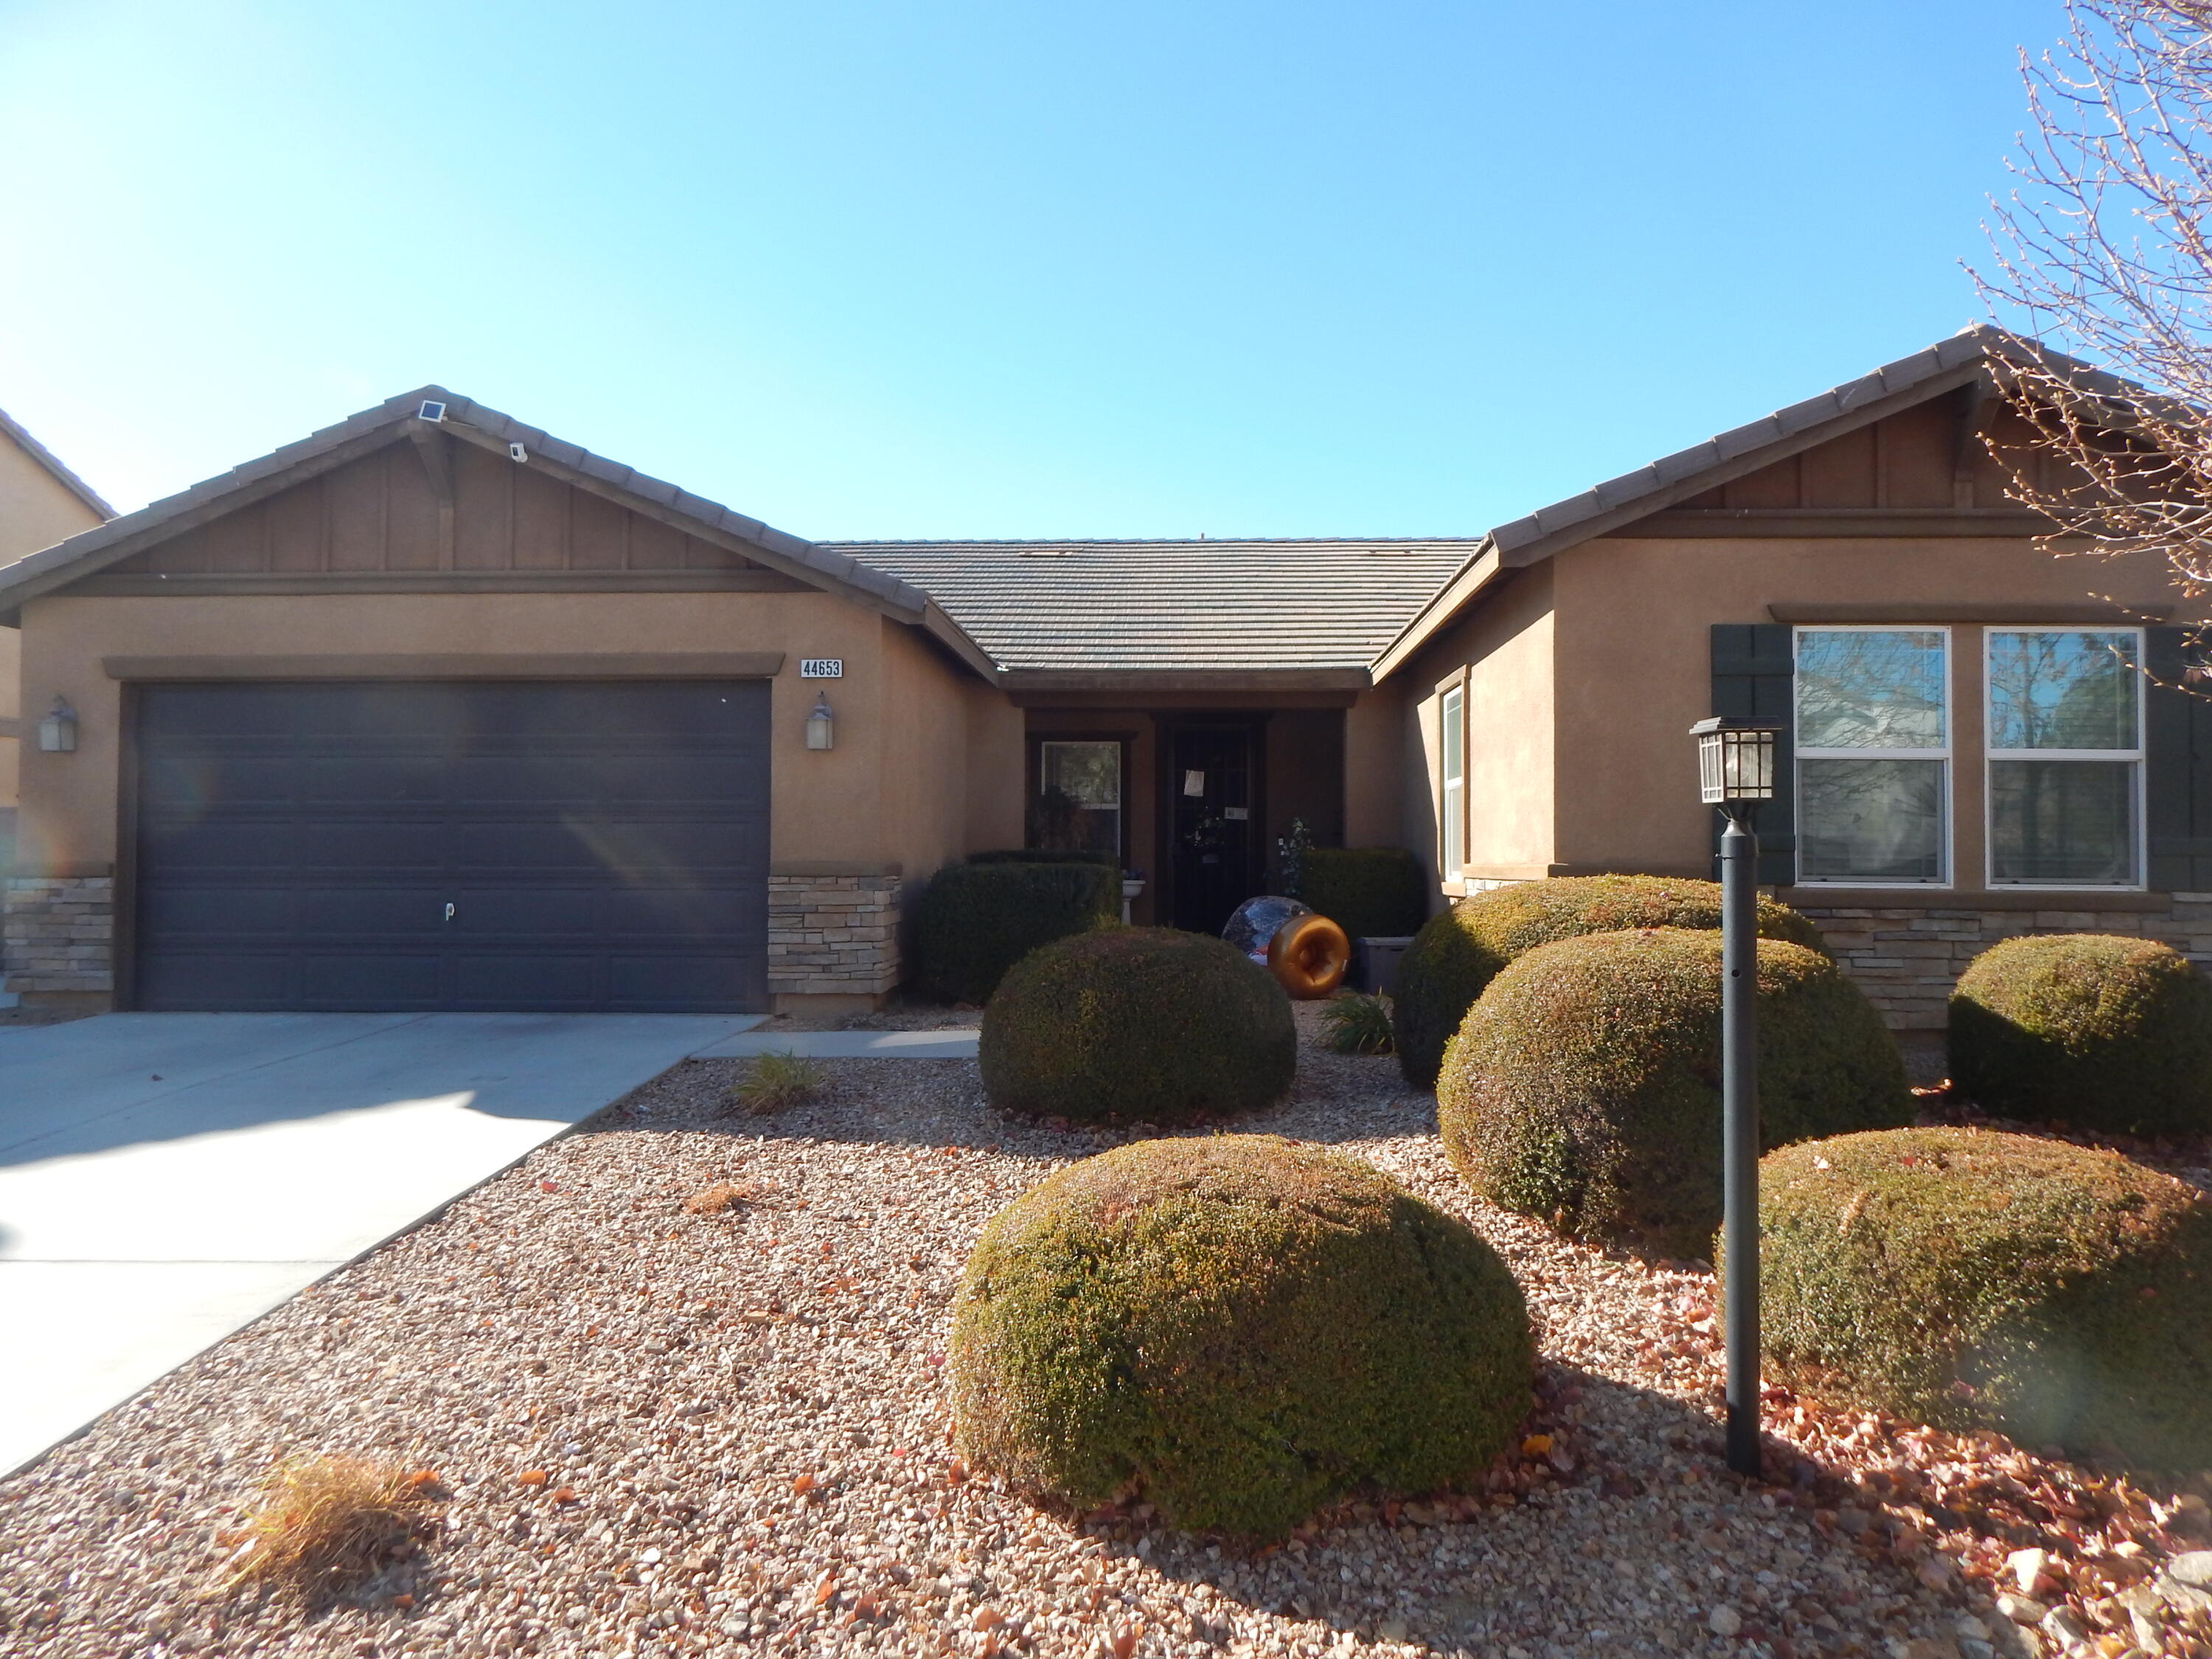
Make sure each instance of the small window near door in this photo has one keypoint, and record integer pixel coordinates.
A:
(1454, 805)
(1078, 804)
(2065, 756)
(1874, 756)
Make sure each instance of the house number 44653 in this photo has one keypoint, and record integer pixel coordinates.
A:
(821, 668)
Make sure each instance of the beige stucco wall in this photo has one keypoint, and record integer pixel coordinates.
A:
(889, 792)
(995, 763)
(1505, 648)
(1375, 768)
(1632, 622)
(36, 511)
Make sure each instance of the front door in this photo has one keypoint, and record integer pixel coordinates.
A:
(1216, 839)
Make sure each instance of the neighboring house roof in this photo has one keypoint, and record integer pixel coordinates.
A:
(46, 459)
(1077, 606)
(1978, 353)
(90, 550)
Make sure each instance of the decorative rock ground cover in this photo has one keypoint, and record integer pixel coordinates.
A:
(723, 1428)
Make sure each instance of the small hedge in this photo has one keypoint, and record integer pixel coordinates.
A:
(1963, 1277)
(976, 920)
(2087, 1029)
(1584, 1088)
(1039, 855)
(1371, 892)
(1458, 952)
(1137, 1024)
(1238, 1329)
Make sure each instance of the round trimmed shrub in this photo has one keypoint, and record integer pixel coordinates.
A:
(1459, 950)
(1137, 1025)
(1583, 1089)
(2087, 1029)
(1238, 1328)
(1963, 1277)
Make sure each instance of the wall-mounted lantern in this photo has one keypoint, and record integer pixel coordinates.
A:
(821, 724)
(58, 729)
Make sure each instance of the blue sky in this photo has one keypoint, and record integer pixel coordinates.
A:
(961, 269)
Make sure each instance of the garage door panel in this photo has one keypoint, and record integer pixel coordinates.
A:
(228, 911)
(688, 984)
(416, 915)
(213, 845)
(537, 980)
(381, 980)
(191, 785)
(639, 913)
(604, 845)
(372, 779)
(246, 981)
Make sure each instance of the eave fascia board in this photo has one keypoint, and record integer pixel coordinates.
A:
(1531, 540)
(53, 464)
(1477, 573)
(938, 624)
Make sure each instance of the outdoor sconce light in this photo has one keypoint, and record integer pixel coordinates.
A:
(1736, 772)
(58, 730)
(821, 724)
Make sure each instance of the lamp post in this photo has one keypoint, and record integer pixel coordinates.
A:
(1736, 772)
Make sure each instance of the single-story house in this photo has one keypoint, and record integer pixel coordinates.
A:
(41, 501)
(435, 710)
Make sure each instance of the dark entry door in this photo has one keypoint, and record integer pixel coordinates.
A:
(1215, 840)
(487, 846)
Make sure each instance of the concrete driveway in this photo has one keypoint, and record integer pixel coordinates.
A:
(166, 1179)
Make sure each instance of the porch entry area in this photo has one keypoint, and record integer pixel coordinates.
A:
(1194, 799)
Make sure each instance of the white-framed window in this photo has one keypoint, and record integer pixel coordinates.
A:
(1079, 796)
(1874, 756)
(1453, 807)
(2065, 756)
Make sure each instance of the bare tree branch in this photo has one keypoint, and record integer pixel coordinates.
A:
(2102, 252)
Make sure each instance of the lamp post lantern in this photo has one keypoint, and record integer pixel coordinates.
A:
(1736, 772)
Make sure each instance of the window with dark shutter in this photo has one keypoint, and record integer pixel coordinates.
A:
(2178, 761)
(1753, 672)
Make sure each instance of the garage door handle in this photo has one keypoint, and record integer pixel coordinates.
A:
(449, 912)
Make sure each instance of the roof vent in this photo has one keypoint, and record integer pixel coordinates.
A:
(431, 410)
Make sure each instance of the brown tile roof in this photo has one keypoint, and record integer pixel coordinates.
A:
(1175, 605)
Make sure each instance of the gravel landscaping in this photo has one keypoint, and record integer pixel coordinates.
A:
(672, 1427)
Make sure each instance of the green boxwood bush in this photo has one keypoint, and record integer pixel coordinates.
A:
(1371, 892)
(1238, 1329)
(1039, 855)
(1584, 1088)
(1459, 950)
(1137, 1024)
(1962, 1276)
(976, 920)
(2090, 1030)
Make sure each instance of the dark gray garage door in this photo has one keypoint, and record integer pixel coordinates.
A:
(452, 845)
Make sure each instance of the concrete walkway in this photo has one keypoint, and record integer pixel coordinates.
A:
(166, 1179)
(954, 1042)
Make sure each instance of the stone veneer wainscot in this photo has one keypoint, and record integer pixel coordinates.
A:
(833, 935)
(60, 934)
(1906, 958)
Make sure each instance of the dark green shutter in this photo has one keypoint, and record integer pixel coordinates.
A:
(1754, 673)
(2177, 764)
